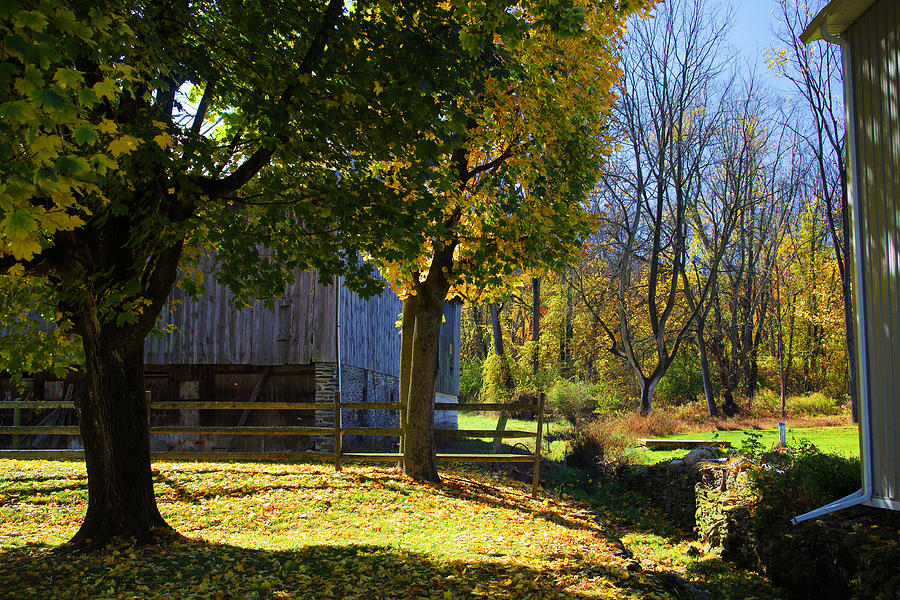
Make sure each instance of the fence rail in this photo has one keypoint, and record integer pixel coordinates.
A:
(337, 456)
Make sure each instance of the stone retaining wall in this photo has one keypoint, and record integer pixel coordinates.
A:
(850, 554)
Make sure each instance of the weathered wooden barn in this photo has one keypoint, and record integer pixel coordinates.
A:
(316, 338)
(869, 33)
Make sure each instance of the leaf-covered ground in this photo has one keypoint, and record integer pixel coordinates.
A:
(257, 531)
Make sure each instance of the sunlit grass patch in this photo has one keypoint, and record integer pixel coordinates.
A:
(303, 531)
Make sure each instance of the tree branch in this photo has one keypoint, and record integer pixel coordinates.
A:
(259, 159)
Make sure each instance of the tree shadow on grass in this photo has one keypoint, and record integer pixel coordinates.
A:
(196, 569)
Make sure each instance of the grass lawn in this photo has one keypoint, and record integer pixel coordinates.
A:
(482, 421)
(254, 531)
(840, 439)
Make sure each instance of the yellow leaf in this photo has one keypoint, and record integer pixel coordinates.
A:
(164, 140)
(107, 126)
(122, 145)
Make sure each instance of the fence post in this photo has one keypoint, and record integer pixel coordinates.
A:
(535, 476)
(337, 430)
(402, 435)
(17, 421)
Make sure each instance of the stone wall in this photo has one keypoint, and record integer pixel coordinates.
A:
(670, 486)
(357, 385)
(360, 385)
(722, 515)
(848, 554)
(326, 385)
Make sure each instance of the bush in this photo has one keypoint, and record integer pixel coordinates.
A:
(813, 405)
(493, 379)
(469, 379)
(683, 381)
(767, 402)
(611, 400)
(524, 398)
(797, 482)
(597, 447)
(656, 424)
(573, 400)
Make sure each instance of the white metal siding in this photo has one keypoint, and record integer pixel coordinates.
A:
(875, 58)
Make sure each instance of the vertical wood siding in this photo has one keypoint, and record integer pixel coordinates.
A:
(299, 330)
(876, 81)
(369, 338)
(448, 359)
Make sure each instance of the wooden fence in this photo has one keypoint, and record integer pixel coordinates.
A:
(336, 456)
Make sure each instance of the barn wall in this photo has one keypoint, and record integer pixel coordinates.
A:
(876, 81)
(369, 338)
(230, 383)
(448, 359)
(298, 330)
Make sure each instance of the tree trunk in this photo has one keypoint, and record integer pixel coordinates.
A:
(728, 405)
(711, 407)
(419, 451)
(536, 324)
(424, 315)
(407, 331)
(480, 343)
(507, 377)
(648, 386)
(113, 413)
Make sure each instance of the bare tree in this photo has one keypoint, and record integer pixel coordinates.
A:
(815, 72)
(668, 115)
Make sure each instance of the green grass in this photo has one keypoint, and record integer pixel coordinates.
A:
(842, 440)
(482, 421)
(254, 531)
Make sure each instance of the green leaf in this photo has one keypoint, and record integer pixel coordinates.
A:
(68, 78)
(16, 45)
(31, 19)
(6, 71)
(20, 110)
(50, 100)
(70, 165)
(85, 134)
(106, 88)
(18, 224)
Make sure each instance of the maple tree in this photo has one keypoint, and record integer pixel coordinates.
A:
(140, 136)
(532, 143)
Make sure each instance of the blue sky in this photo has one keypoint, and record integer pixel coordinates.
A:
(753, 23)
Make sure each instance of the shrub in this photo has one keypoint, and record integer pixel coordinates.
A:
(611, 400)
(767, 402)
(598, 447)
(524, 398)
(493, 379)
(683, 381)
(573, 400)
(693, 414)
(469, 379)
(656, 424)
(523, 368)
(813, 405)
(797, 482)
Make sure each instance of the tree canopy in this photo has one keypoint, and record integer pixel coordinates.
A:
(140, 137)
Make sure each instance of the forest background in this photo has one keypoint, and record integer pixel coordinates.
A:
(717, 276)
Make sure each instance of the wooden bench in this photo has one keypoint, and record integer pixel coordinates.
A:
(660, 444)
